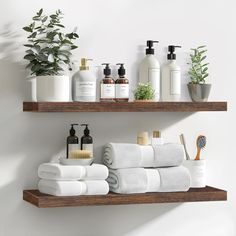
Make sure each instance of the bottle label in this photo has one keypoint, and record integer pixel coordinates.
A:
(122, 90)
(85, 89)
(154, 80)
(107, 91)
(72, 147)
(88, 147)
(175, 83)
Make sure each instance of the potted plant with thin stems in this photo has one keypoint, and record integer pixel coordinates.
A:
(198, 89)
(49, 56)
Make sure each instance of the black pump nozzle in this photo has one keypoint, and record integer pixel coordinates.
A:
(72, 130)
(171, 55)
(121, 70)
(86, 130)
(150, 50)
(107, 70)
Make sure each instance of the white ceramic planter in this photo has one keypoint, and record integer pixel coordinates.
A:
(197, 171)
(52, 88)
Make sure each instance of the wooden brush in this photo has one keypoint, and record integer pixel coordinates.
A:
(201, 143)
(80, 154)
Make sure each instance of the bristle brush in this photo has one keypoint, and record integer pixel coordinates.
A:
(201, 143)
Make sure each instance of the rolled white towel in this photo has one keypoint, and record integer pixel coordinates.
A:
(73, 188)
(169, 154)
(125, 155)
(141, 180)
(55, 171)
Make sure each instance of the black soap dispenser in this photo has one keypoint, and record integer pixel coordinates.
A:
(87, 140)
(72, 141)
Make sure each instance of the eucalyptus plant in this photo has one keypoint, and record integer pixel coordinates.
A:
(198, 70)
(48, 48)
(144, 91)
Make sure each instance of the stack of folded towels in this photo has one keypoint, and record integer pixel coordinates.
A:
(139, 169)
(60, 180)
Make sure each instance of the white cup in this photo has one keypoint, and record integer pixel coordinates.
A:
(197, 171)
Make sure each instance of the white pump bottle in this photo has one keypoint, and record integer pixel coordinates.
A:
(171, 78)
(149, 70)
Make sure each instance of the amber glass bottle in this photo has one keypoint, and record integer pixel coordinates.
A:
(107, 86)
(122, 85)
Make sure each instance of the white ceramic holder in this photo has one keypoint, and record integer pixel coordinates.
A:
(197, 171)
(52, 88)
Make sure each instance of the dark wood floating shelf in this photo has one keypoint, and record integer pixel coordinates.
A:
(124, 106)
(193, 195)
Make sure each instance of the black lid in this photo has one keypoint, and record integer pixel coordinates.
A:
(86, 130)
(72, 130)
(171, 55)
(107, 70)
(150, 50)
(121, 70)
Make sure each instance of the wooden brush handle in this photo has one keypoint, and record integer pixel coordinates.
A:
(197, 158)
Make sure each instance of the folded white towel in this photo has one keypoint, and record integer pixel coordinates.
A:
(125, 155)
(73, 188)
(133, 180)
(141, 180)
(55, 171)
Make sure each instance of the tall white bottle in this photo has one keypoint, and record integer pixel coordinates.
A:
(171, 78)
(84, 84)
(149, 70)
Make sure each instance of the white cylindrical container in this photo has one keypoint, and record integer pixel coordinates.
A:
(197, 171)
(171, 78)
(171, 82)
(149, 70)
(52, 88)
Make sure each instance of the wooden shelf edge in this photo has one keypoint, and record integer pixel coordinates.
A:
(123, 106)
(193, 195)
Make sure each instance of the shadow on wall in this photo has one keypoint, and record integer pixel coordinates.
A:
(28, 139)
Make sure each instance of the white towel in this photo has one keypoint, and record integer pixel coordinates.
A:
(125, 155)
(55, 171)
(73, 188)
(141, 180)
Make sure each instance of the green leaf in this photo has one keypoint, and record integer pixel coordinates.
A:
(40, 12)
(73, 47)
(203, 58)
(44, 19)
(29, 45)
(28, 29)
(33, 35)
(29, 57)
(60, 25)
(203, 46)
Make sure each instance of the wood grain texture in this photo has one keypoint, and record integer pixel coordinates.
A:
(123, 106)
(193, 195)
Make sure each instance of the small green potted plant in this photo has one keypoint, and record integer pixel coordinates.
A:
(144, 93)
(198, 89)
(49, 56)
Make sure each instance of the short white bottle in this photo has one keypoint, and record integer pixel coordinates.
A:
(149, 70)
(84, 84)
(171, 78)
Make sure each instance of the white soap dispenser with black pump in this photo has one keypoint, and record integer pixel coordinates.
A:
(149, 70)
(171, 78)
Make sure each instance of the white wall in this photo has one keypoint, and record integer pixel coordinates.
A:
(114, 31)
